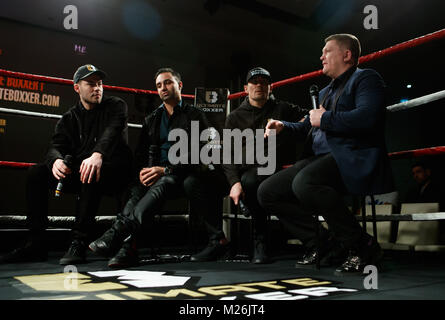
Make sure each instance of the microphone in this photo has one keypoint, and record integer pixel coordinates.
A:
(153, 156)
(243, 208)
(313, 91)
(68, 161)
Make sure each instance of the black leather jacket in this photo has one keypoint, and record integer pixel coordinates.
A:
(150, 134)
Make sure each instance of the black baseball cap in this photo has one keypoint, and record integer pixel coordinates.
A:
(86, 71)
(258, 71)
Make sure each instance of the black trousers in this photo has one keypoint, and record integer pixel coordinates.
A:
(250, 181)
(312, 186)
(205, 191)
(40, 180)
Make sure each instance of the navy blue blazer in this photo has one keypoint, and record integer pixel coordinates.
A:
(355, 132)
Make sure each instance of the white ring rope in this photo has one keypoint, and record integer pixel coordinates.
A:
(395, 107)
(48, 115)
(417, 101)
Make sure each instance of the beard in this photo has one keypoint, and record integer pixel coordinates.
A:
(170, 96)
(259, 96)
(166, 97)
(94, 99)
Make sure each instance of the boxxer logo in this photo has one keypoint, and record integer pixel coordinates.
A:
(255, 149)
(211, 96)
(213, 134)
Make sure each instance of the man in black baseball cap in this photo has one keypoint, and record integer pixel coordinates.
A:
(86, 71)
(89, 156)
(258, 71)
(253, 114)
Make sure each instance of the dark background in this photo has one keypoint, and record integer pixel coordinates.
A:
(213, 44)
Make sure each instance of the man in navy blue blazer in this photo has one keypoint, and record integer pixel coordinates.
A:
(346, 154)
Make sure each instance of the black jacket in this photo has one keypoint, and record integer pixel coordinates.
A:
(355, 132)
(433, 192)
(150, 134)
(247, 116)
(107, 133)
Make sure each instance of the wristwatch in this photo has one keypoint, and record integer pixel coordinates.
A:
(167, 170)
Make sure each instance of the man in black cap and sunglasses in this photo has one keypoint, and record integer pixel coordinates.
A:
(88, 155)
(254, 112)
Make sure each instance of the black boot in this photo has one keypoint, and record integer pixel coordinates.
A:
(215, 248)
(33, 250)
(75, 253)
(259, 251)
(108, 244)
(126, 257)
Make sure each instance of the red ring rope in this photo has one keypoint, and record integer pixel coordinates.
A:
(11, 164)
(417, 153)
(394, 156)
(372, 56)
(29, 76)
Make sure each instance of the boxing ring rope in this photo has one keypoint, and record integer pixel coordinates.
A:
(370, 57)
(395, 107)
(56, 80)
(393, 156)
(64, 221)
(417, 153)
(417, 101)
(19, 165)
(47, 115)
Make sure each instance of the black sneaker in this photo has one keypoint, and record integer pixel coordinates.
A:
(214, 249)
(30, 252)
(126, 257)
(75, 253)
(368, 253)
(259, 252)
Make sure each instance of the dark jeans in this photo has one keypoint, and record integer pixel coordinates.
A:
(205, 191)
(250, 181)
(40, 181)
(312, 186)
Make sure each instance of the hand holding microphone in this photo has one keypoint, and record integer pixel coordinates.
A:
(313, 92)
(236, 194)
(316, 113)
(154, 155)
(60, 169)
(243, 208)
